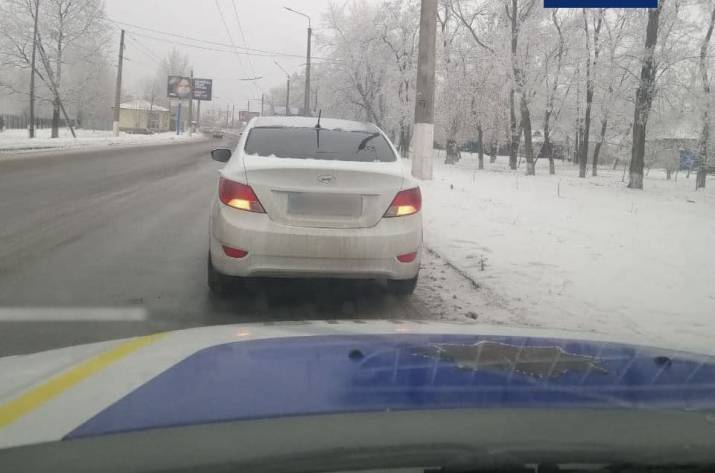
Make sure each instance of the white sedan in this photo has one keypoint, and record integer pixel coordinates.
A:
(310, 197)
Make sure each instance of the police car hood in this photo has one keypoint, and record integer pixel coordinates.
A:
(267, 371)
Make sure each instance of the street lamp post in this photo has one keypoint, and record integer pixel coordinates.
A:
(306, 101)
(287, 88)
(255, 100)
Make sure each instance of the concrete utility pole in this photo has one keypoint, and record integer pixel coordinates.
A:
(178, 119)
(32, 72)
(191, 106)
(306, 98)
(287, 87)
(118, 91)
(307, 74)
(423, 137)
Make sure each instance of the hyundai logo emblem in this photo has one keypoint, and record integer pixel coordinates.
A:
(326, 179)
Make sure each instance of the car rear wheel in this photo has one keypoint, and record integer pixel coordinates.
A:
(219, 284)
(402, 287)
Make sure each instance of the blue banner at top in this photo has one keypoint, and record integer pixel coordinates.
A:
(600, 3)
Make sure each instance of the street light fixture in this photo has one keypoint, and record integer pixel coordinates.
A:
(306, 101)
(299, 13)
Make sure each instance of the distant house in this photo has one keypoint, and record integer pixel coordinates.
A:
(139, 114)
(672, 145)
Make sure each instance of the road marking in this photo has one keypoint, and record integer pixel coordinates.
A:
(27, 402)
(72, 314)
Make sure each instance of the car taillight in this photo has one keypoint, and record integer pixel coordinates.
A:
(239, 196)
(407, 257)
(234, 252)
(406, 202)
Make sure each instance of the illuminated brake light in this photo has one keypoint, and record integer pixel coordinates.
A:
(239, 196)
(406, 202)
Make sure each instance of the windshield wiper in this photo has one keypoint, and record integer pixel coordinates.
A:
(364, 142)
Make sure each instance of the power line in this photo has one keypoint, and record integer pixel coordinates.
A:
(143, 49)
(265, 52)
(218, 50)
(245, 43)
(228, 32)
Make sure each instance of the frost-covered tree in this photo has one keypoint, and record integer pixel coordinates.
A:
(705, 138)
(580, 80)
(71, 50)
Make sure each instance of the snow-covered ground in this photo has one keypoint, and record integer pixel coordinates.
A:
(585, 254)
(15, 141)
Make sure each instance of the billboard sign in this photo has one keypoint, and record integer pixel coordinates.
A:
(202, 89)
(179, 87)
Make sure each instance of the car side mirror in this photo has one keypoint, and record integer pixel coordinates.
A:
(221, 155)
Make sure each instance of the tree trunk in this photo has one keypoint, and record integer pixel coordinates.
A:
(452, 155)
(590, 72)
(597, 150)
(493, 153)
(668, 173)
(514, 146)
(546, 149)
(583, 153)
(55, 119)
(58, 80)
(644, 99)
(405, 137)
(701, 176)
(515, 78)
(526, 126)
(480, 135)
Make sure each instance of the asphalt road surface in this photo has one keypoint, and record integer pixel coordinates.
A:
(97, 245)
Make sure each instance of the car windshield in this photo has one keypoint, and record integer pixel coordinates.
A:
(318, 143)
(240, 210)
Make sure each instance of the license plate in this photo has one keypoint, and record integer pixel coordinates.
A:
(328, 205)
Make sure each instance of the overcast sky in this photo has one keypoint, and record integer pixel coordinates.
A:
(266, 25)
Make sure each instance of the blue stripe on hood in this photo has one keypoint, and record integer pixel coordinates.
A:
(331, 374)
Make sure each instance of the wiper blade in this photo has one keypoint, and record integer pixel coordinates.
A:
(365, 141)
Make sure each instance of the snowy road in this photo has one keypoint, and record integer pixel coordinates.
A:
(112, 243)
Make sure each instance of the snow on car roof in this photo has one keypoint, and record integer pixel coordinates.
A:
(327, 123)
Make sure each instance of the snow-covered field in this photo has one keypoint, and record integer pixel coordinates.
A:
(586, 254)
(17, 141)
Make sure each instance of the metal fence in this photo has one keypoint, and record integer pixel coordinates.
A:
(15, 122)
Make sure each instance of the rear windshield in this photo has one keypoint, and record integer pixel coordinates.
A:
(318, 143)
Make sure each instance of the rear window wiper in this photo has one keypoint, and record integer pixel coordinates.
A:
(364, 142)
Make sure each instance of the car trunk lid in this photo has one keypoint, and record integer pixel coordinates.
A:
(323, 193)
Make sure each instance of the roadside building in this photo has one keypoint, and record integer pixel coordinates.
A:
(142, 116)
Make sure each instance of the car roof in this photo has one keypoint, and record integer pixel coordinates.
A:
(310, 122)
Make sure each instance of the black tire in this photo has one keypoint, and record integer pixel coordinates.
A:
(219, 284)
(402, 287)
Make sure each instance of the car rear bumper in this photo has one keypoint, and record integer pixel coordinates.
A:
(277, 250)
